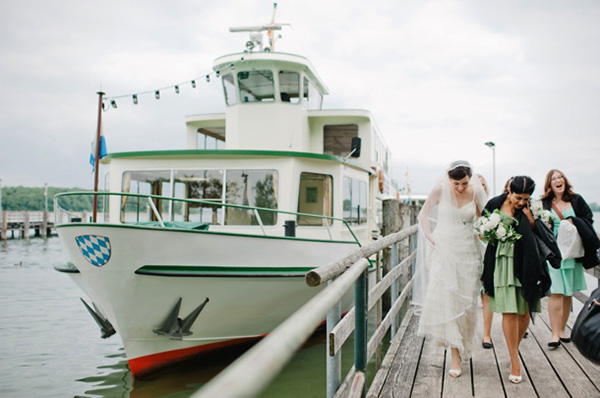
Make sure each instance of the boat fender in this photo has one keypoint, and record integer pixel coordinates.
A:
(381, 180)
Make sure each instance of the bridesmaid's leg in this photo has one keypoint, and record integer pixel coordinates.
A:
(555, 311)
(567, 303)
(488, 316)
(510, 327)
(523, 325)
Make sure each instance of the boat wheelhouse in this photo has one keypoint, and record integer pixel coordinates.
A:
(208, 245)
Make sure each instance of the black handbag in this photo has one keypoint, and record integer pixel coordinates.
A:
(586, 330)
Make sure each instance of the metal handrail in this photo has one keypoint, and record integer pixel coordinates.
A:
(254, 209)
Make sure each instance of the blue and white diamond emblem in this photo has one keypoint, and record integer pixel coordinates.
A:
(95, 249)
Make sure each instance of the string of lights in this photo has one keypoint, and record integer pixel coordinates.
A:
(111, 102)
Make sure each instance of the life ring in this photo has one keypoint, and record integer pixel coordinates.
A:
(381, 180)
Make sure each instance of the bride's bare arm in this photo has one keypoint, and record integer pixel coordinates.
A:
(432, 200)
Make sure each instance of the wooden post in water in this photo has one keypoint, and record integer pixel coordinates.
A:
(4, 227)
(392, 222)
(25, 225)
(97, 154)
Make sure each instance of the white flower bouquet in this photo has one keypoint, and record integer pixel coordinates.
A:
(538, 211)
(496, 227)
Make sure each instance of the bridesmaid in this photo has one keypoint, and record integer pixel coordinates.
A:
(559, 197)
(513, 275)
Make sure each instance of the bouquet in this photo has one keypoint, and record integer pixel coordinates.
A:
(496, 227)
(538, 211)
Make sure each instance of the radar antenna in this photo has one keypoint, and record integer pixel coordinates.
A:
(256, 36)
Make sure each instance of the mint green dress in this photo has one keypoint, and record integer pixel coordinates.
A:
(507, 287)
(570, 276)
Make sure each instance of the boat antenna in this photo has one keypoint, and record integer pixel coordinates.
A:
(256, 37)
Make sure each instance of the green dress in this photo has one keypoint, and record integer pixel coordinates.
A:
(507, 287)
(570, 276)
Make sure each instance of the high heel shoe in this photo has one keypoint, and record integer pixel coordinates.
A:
(515, 379)
(455, 372)
(554, 344)
(565, 339)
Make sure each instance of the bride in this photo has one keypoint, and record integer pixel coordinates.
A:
(449, 262)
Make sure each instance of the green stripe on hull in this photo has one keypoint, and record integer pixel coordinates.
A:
(221, 271)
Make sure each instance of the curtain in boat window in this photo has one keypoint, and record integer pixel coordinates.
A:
(315, 197)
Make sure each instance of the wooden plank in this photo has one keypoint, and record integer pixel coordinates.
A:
(384, 370)
(590, 369)
(457, 386)
(541, 373)
(575, 381)
(430, 374)
(486, 377)
(402, 371)
(524, 389)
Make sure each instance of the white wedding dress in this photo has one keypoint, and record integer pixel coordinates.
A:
(453, 262)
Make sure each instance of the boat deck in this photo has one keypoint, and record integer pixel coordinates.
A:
(414, 367)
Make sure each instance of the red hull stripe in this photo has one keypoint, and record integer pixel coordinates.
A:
(149, 363)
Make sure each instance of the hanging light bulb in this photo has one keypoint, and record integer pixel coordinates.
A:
(217, 73)
(103, 106)
(157, 94)
(208, 78)
(193, 84)
(177, 89)
(135, 99)
(113, 103)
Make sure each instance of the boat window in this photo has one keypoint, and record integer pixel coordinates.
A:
(315, 197)
(211, 138)
(256, 188)
(354, 193)
(289, 86)
(256, 86)
(311, 97)
(205, 185)
(229, 89)
(155, 182)
(337, 139)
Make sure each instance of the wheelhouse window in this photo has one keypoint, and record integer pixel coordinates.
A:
(311, 97)
(315, 197)
(337, 139)
(289, 87)
(229, 89)
(256, 86)
(256, 188)
(354, 200)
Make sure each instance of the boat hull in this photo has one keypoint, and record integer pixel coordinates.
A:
(252, 284)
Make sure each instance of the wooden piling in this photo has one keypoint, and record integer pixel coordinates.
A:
(4, 227)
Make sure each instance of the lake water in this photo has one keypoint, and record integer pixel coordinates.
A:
(51, 347)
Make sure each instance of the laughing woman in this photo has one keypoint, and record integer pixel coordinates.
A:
(563, 203)
(514, 276)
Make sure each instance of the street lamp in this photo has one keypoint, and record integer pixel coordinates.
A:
(492, 146)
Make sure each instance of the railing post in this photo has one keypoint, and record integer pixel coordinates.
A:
(394, 288)
(334, 363)
(360, 318)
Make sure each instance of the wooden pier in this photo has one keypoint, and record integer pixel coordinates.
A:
(415, 367)
(20, 224)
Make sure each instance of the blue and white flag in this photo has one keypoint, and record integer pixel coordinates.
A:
(103, 152)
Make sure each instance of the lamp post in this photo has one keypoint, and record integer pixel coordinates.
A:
(492, 146)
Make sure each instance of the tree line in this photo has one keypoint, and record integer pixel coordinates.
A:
(32, 199)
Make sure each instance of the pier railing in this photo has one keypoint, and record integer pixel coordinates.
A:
(252, 373)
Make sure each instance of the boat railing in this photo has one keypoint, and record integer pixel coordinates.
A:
(147, 205)
(251, 373)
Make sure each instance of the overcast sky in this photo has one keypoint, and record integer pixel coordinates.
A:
(440, 77)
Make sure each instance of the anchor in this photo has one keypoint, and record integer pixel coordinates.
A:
(174, 327)
(106, 328)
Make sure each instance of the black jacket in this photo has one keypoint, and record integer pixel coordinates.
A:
(583, 221)
(530, 255)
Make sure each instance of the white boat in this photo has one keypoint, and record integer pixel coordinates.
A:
(195, 249)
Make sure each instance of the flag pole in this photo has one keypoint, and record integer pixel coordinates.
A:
(97, 155)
